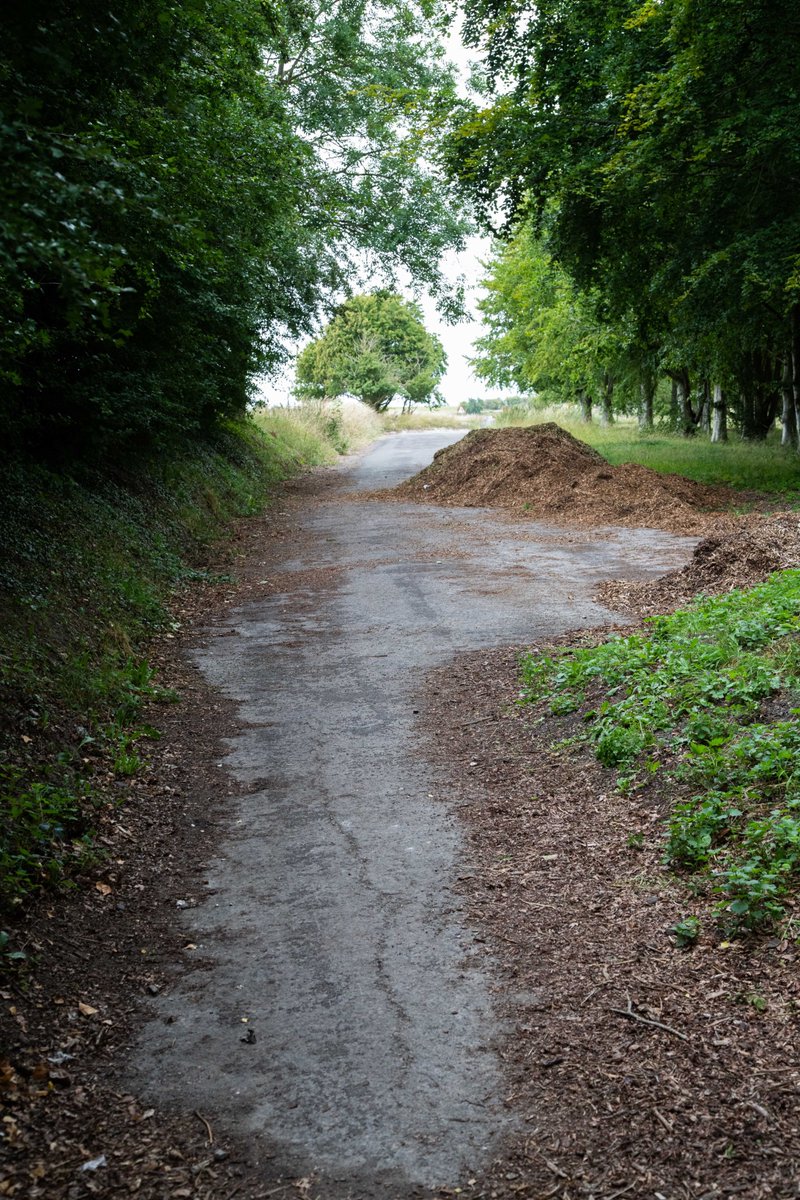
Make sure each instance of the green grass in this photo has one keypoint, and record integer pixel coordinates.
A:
(89, 564)
(425, 418)
(702, 707)
(767, 467)
(305, 434)
(320, 431)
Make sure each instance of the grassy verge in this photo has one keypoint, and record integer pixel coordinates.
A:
(763, 466)
(428, 418)
(323, 429)
(698, 714)
(89, 562)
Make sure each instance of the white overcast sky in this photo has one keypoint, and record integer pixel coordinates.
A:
(458, 384)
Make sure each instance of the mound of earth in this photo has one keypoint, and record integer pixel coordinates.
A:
(737, 557)
(546, 472)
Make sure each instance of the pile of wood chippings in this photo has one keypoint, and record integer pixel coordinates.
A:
(733, 557)
(545, 471)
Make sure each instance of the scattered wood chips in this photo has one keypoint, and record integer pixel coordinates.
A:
(733, 556)
(635, 1068)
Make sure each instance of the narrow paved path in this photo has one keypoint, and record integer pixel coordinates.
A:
(330, 923)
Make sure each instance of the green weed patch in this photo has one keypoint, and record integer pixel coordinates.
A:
(701, 710)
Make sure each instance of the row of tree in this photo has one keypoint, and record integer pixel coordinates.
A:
(185, 183)
(642, 157)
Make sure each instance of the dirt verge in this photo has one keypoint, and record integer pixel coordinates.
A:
(96, 954)
(636, 1068)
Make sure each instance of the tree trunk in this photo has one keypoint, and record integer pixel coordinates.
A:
(606, 410)
(719, 409)
(760, 396)
(585, 402)
(647, 390)
(788, 417)
(704, 412)
(796, 367)
(674, 408)
(684, 395)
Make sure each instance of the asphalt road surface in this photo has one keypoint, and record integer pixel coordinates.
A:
(330, 923)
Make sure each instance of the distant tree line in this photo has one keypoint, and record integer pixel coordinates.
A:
(642, 159)
(184, 184)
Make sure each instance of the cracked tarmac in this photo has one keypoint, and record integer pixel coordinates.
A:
(329, 928)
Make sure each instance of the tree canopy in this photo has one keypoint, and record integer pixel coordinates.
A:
(377, 348)
(650, 146)
(185, 185)
(543, 334)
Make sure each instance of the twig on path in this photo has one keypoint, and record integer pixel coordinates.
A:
(209, 1130)
(622, 1191)
(669, 1128)
(634, 1016)
(477, 721)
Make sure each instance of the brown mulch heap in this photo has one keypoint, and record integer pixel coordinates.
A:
(546, 472)
(635, 1068)
(735, 557)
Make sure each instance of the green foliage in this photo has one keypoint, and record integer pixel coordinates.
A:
(543, 334)
(7, 954)
(686, 931)
(145, 219)
(628, 135)
(89, 567)
(689, 695)
(376, 348)
(42, 834)
(368, 87)
(183, 185)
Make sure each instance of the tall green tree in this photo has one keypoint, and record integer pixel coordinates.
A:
(371, 93)
(545, 335)
(377, 348)
(653, 143)
(144, 219)
(186, 184)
